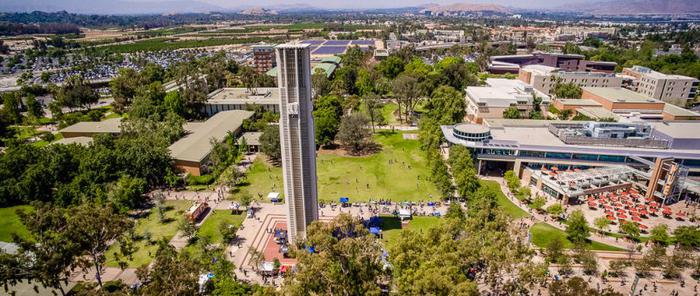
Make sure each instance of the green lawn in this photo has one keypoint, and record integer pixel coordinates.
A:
(151, 224)
(262, 178)
(508, 206)
(399, 172)
(543, 233)
(9, 223)
(210, 227)
(391, 226)
(388, 113)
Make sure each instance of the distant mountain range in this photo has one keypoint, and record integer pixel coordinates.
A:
(108, 6)
(636, 7)
(606, 7)
(465, 7)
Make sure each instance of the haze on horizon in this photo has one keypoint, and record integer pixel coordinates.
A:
(363, 4)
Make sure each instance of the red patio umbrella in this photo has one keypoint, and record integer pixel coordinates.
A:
(621, 216)
(591, 205)
(636, 219)
(621, 211)
(643, 212)
(611, 218)
(680, 214)
(667, 211)
(654, 204)
(591, 198)
(642, 226)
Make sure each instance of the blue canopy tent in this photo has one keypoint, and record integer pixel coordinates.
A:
(375, 230)
(344, 199)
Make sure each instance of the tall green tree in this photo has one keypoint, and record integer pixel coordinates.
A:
(354, 133)
(577, 229)
(407, 92)
(347, 261)
(172, 273)
(94, 228)
(76, 92)
(48, 255)
(270, 143)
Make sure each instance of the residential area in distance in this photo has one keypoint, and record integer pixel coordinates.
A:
(210, 147)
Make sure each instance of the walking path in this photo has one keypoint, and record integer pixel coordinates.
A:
(540, 217)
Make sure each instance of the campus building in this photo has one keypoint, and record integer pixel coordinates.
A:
(90, 129)
(543, 78)
(264, 57)
(241, 98)
(489, 102)
(191, 153)
(297, 137)
(565, 62)
(653, 150)
(665, 87)
(635, 106)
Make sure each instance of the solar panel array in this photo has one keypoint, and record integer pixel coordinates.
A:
(334, 47)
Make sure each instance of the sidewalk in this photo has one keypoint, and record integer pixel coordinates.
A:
(557, 224)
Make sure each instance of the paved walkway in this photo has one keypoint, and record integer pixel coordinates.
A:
(540, 217)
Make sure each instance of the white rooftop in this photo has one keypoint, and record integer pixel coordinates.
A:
(503, 93)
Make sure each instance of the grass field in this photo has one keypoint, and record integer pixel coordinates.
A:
(543, 233)
(391, 226)
(150, 225)
(210, 227)
(388, 113)
(398, 172)
(509, 207)
(9, 223)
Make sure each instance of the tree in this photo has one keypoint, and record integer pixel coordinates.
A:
(441, 177)
(172, 273)
(601, 223)
(577, 286)
(577, 229)
(347, 260)
(446, 105)
(373, 105)
(11, 107)
(270, 143)
(227, 231)
(173, 102)
(555, 251)
(320, 83)
(455, 211)
(405, 88)
(189, 229)
(124, 88)
(511, 112)
(48, 256)
(326, 125)
(687, 237)
(555, 210)
(94, 228)
(631, 229)
(127, 193)
(391, 67)
(538, 203)
(33, 107)
(76, 93)
(567, 90)
(659, 235)
(353, 132)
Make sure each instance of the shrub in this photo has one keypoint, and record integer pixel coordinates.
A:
(200, 180)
